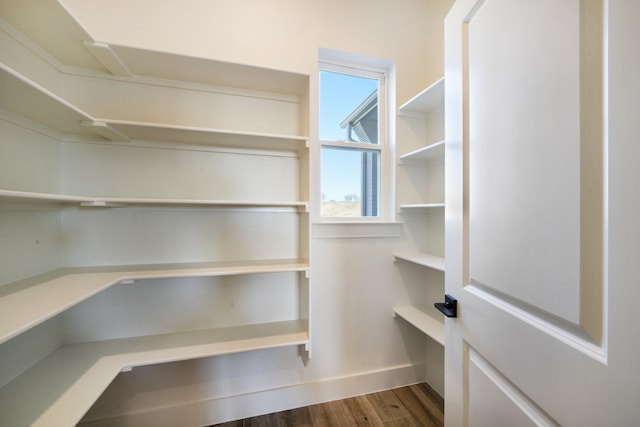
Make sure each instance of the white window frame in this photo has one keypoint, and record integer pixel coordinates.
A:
(384, 145)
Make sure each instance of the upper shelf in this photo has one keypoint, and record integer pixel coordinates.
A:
(100, 202)
(28, 302)
(426, 101)
(120, 130)
(164, 65)
(28, 99)
(49, 95)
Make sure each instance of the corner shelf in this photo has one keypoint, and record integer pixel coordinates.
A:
(88, 368)
(29, 302)
(422, 321)
(425, 260)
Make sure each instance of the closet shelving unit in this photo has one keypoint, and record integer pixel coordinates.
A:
(59, 388)
(423, 107)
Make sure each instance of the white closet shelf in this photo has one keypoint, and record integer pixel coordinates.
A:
(164, 65)
(121, 130)
(425, 323)
(31, 197)
(425, 260)
(426, 101)
(422, 206)
(63, 386)
(29, 302)
(26, 98)
(425, 154)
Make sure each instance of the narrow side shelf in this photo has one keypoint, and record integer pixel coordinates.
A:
(121, 130)
(31, 197)
(64, 385)
(426, 101)
(425, 154)
(422, 206)
(425, 260)
(425, 323)
(26, 303)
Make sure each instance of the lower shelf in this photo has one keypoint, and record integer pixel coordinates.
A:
(425, 323)
(61, 388)
(29, 302)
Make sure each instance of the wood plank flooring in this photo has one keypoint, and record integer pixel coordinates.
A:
(416, 405)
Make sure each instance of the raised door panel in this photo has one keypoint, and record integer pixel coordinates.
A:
(524, 157)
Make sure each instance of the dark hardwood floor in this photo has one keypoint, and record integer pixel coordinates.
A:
(416, 405)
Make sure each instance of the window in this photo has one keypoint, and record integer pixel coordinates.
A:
(352, 133)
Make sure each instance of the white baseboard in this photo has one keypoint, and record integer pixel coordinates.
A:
(230, 408)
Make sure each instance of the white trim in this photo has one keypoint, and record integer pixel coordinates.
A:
(354, 60)
(351, 69)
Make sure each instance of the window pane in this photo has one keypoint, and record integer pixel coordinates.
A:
(350, 182)
(348, 108)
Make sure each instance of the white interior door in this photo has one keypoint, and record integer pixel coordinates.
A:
(543, 211)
